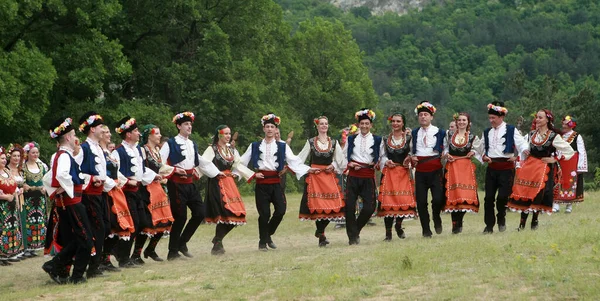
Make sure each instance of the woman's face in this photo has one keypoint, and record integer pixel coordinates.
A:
(15, 157)
(34, 154)
(541, 119)
(323, 126)
(225, 135)
(397, 122)
(462, 122)
(2, 161)
(155, 136)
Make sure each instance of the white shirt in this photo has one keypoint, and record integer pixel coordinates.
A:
(100, 164)
(237, 168)
(137, 163)
(497, 146)
(363, 151)
(339, 160)
(63, 174)
(563, 148)
(582, 161)
(268, 159)
(187, 150)
(426, 141)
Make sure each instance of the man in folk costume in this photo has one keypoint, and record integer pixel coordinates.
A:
(570, 189)
(268, 157)
(364, 151)
(427, 147)
(65, 187)
(502, 143)
(93, 164)
(131, 165)
(182, 153)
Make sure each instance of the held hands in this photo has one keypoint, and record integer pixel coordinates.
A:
(329, 168)
(414, 160)
(450, 158)
(390, 164)
(59, 191)
(132, 182)
(548, 160)
(486, 159)
(526, 152)
(470, 154)
(180, 171)
(513, 159)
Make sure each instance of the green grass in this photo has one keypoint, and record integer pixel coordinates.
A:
(559, 261)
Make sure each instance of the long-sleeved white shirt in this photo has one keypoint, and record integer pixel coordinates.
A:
(363, 151)
(497, 146)
(100, 164)
(187, 150)
(63, 174)
(137, 163)
(237, 168)
(268, 159)
(426, 141)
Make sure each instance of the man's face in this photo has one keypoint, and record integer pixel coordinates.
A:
(365, 126)
(425, 119)
(495, 120)
(185, 128)
(270, 130)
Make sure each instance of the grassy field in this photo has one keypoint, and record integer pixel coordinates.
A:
(559, 261)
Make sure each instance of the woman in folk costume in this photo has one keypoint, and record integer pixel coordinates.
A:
(158, 209)
(224, 205)
(120, 225)
(534, 181)
(322, 200)
(33, 217)
(461, 184)
(10, 237)
(15, 158)
(570, 189)
(397, 189)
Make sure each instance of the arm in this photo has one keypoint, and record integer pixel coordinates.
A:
(63, 176)
(241, 169)
(207, 167)
(477, 149)
(521, 143)
(294, 163)
(303, 154)
(563, 147)
(165, 151)
(582, 161)
(339, 160)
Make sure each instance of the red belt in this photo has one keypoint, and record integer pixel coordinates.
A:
(131, 188)
(428, 164)
(366, 171)
(271, 177)
(501, 164)
(180, 179)
(94, 190)
(63, 199)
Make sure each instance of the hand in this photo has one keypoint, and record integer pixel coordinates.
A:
(290, 135)
(59, 191)
(513, 159)
(196, 174)
(43, 190)
(487, 159)
(163, 181)
(259, 175)
(180, 171)
(390, 164)
(526, 152)
(548, 160)
(329, 169)
(26, 187)
(470, 154)
(132, 182)
(158, 178)
(221, 175)
(450, 158)
(414, 160)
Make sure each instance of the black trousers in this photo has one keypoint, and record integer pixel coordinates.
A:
(78, 238)
(321, 225)
(424, 182)
(184, 196)
(389, 222)
(222, 230)
(499, 181)
(95, 206)
(265, 195)
(124, 246)
(365, 188)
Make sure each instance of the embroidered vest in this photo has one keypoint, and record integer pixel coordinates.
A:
(74, 171)
(175, 155)
(439, 140)
(509, 139)
(280, 154)
(88, 165)
(125, 161)
(375, 147)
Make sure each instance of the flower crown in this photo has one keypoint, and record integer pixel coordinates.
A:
(367, 112)
(316, 120)
(497, 108)
(571, 122)
(30, 145)
(268, 117)
(455, 116)
(427, 105)
(181, 115)
(59, 129)
(125, 126)
(389, 119)
(90, 120)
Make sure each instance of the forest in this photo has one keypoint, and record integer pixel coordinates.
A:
(231, 61)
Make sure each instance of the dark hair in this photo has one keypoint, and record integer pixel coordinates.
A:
(468, 119)
(401, 116)
(215, 139)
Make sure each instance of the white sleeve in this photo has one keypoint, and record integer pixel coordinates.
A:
(245, 158)
(294, 163)
(209, 154)
(241, 169)
(303, 154)
(165, 151)
(148, 176)
(521, 143)
(339, 160)
(582, 161)
(207, 167)
(446, 143)
(563, 147)
(477, 148)
(115, 155)
(63, 175)
(79, 157)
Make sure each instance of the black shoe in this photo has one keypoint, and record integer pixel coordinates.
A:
(262, 247)
(128, 264)
(109, 267)
(174, 256)
(48, 267)
(77, 280)
(323, 243)
(137, 259)
(94, 273)
(152, 255)
(217, 248)
(184, 250)
(400, 232)
(501, 228)
(272, 245)
(439, 229)
(534, 225)
(388, 237)
(487, 230)
(353, 242)
(427, 234)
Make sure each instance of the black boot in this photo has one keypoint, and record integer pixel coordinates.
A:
(217, 248)
(323, 242)
(534, 221)
(388, 234)
(136, 257)
(399, 231)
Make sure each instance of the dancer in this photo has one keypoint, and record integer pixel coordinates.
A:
(33, 217)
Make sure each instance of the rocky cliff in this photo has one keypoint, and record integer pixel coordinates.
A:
(379, 7)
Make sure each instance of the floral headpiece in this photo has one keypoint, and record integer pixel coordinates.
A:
(270, 118)
(365, 114)
(570, 121)
(14, 148)
(61, 129)
(499, 109)
(125, 126)
(30, 145)
(183, 117)
(89, 121)
(455, 116)
(2, 150)
(352, 129)
(395, 114)
(316, 120)
(425, 106)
